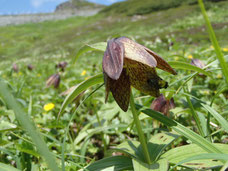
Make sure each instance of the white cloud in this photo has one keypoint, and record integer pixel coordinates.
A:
(38, 3)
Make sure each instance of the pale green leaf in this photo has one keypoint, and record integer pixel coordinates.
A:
(161, 165)
(223, 122)
(101, 46)
(118, 162)
(178, 154)
(186, 66)
(80, 88)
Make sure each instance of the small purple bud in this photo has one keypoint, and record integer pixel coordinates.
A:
(62, 65)
(163, 105)
(198, 63)
(15, 68)
(30, 67)
(53, 80)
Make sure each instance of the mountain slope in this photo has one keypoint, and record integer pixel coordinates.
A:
(72, 5)
(136, 7)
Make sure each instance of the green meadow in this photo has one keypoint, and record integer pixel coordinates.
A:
(45, 124)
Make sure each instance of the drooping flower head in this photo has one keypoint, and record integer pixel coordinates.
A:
(127, 63)
(163, 105)
(53, 80)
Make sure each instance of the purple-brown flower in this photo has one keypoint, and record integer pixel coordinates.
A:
(15, 68)
(53, 80)
(30, 67)
(127, 63)
(62, 65)
(163, 105)
(198, 63)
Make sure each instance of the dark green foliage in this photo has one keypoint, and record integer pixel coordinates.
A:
(136, 7)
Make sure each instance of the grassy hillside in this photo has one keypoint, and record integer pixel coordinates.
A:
(77, 4)
(135, 7)
(67, 36)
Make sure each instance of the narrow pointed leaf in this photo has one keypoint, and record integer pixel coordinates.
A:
(117, 162)
(186, 66)
(213, 156)
(180, 129)
(28, 126)
(5, 167)
(80, 88)
(181, 153)
(223, 122)
(94, 47)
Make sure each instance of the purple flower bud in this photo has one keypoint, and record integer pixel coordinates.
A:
(163, 105)
(62, 65)
(53, 80)
(30, 67)
(198, 63)
(15, 68)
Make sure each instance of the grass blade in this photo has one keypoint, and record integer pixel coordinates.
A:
(117, 163)
(217, 116)
(182, 130)
(29, 126)
(215, 156)
(80, 88)
(101, 46)
(186, 66)
(214, 41)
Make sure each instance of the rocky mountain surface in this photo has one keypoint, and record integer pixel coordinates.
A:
(65, 10)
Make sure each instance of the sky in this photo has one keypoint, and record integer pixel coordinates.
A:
(36, 6)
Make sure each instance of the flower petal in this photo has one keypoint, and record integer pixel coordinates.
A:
(144, 78)
(120, 89)
(136, 52)
(113, 59)
(161, 63)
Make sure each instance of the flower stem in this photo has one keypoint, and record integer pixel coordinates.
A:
(195, 116)
(102, 133)
(139, 129)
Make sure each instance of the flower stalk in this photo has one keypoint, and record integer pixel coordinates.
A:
(139, 129)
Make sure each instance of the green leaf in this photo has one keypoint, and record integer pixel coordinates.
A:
(217, 116)
(80, 88)
(161, 165)
(195, 138)
(179, 154)
(28, 125)
(101, 46)
(90, 132)
(214, 41)
(213, 156)
(158, 143)
(4, 167)
(130, 148)
(186, 66)
(118, 162)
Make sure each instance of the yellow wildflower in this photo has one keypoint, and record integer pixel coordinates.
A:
(190, 57)
(225, 49)
(20, 73)
(219, 76)
(38, 75)
(83, 73)
(212, 47)
(49, 106)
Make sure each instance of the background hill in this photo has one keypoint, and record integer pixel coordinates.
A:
(136, 7)
(74, 5)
